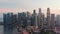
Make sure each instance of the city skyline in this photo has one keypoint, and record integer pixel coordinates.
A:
(34, 21)
(29, 16)
(39, 9)
(27, 20)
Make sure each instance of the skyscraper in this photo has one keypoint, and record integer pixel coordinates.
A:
(58, 20)
(52, 23)
(20, 19)
(14, 24)
(8, 20)
(19, 22)
(42, 20)
(48, 17)
(40, 11)
(4, 20)
(28, 19)
(34, 18)
(39, 18)
(15, 19)
(24, 19)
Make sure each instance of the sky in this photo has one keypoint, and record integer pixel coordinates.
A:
(29, 5)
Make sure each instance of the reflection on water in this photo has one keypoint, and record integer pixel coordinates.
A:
(1, 29)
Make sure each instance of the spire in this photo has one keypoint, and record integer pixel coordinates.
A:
(48, 10)
(39, 10)
(34, 11)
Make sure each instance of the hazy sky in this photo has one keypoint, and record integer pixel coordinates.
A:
(29, 5)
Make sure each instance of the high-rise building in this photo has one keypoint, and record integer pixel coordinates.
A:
(14, 24)
(40, 11)
(22, 22)
(42, 21)
(45, 24)
(15, 19)
(52, 23)
(8, 20)
(58, 20)
(39, 18)
(20, 19)
(24, 19)
(34, 18)
(28, 19)
(19, 22)
(4, 20)
(48, 17)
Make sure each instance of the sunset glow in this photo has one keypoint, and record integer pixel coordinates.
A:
(28, 5)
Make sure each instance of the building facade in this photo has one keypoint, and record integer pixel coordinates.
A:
(8, 20)
(48, 17)
(52, 23)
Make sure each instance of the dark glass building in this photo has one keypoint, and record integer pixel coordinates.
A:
(22, 19)
(52, 23)
(8, 20)
(48, 17)
(28, 19)
(33, 18)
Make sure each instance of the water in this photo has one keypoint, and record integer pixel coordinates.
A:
(1, 29)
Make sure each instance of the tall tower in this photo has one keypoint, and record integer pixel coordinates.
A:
(4, 20)
(39, 18)
(34, 11)
(40, 11)
(28, 18)
(34, 18)
(48, 17)
(58, 20)
(52, 24)
(8, 20)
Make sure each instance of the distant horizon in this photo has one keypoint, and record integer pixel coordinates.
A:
(16, 10)
(16, 6)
